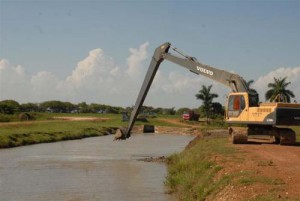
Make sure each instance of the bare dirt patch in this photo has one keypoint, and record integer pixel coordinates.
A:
(179, 122)
(277, 161)
(262, 169)
(81, 118)
(169, 130)
(24, 123)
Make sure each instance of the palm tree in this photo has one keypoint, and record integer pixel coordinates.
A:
(251, 90)
(207, 97)
(278, 91)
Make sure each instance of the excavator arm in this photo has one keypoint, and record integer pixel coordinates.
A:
(234, 81)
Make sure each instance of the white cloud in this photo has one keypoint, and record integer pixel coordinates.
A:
(14, 82)
(43, 86)
(97, 64)
(135, 60)
(97, 78)
(178, 89)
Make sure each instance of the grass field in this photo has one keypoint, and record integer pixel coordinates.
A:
(18, 135)
(45, 128)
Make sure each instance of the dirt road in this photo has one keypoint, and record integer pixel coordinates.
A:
(283, 162)
(275, 169)
(279, 166)
(178, 122)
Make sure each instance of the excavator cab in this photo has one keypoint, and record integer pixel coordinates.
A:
(236, 104)
(237, 107)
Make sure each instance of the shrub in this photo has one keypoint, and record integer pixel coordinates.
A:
(26, 116)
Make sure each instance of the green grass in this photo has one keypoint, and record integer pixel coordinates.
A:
(250, 178)
(8, 118)
(19, 134)
(191, 173)
(47, 129)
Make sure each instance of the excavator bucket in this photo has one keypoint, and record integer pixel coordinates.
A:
(121, 134)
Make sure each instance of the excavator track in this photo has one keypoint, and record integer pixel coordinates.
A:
(282, 136)
(238, 135)
(287, 136)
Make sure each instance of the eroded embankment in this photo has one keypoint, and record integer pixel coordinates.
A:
(170, 130)
(46, 136)
(210, 168)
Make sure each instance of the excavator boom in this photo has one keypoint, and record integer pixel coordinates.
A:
(234, 81)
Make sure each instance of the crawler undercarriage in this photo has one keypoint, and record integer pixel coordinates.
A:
(282, 136)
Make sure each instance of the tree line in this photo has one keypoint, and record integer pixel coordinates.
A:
(54, 106)
(277, 93)
(13, 107)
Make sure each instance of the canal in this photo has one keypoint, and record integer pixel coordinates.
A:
(88, 169)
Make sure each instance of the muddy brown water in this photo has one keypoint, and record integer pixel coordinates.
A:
(88, 169)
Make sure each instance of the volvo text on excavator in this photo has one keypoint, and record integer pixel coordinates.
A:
(243, 106)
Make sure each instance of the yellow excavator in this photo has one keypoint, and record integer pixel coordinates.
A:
(242, 108)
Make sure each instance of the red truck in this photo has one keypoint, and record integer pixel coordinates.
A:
(191, 116)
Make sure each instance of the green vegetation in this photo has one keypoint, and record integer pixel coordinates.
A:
(192, 172)
(9, 107)
(278, 91)
(207, 99)
(46, 128)
(10, 110)
(251, 90)
(7, 117)
(54, 106)
(42, 132)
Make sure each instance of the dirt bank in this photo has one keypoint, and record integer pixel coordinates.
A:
(170, 130)
(274, 170)
(259, 170)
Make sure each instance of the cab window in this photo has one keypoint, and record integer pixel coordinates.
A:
(236, 104)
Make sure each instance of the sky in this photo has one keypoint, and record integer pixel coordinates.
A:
(99, 51)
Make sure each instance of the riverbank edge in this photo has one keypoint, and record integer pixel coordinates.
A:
(44, 135)
(191, 173)
(23, 139)
(200, 172)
